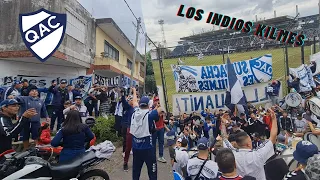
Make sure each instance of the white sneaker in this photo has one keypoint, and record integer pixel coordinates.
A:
(123, 154)
(131, 152)
(162, 159)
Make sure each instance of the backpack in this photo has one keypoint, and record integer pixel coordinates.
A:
(138, 125)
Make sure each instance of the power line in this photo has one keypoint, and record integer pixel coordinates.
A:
(133, 15)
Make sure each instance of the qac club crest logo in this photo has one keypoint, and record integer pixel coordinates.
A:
(42, 32)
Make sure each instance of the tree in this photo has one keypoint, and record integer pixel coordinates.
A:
(150, 81)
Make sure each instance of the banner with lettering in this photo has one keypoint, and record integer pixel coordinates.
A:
(119, 81)
(43, 83)
(197, 102)
(213, 78)
(304, 73)
(85, 83)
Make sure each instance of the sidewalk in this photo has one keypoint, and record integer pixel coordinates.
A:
(114, 167)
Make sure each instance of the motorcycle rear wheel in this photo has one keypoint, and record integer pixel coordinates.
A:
(94, 173)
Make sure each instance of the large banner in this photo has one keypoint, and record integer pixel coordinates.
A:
(304, 73)
(197, 102)
(43, 83)
(85, 83)
(120, 81)
(213, 78)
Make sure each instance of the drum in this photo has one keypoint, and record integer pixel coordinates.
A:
(314, 104)
(312, 138)
(289, 159)
(293, 99)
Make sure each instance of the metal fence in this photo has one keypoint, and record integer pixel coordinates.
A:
(215, 53)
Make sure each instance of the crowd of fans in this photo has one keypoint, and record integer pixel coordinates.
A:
(256, 139)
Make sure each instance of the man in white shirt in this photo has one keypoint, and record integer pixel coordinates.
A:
(79, 107)
(251, 162)
(200, 167)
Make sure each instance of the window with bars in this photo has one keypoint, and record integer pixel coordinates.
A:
(129, 64)
(111, 51)
(76, 28)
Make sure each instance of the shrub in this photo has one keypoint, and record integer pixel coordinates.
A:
(104, 129)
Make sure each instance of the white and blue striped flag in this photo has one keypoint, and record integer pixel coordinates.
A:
(235, 95)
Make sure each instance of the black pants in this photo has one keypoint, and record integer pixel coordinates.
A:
(124, 136)
(140, 157)
(117, 125)
(92, 106)
(57, 114)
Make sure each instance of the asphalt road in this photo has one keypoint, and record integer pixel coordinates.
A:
(114, 167)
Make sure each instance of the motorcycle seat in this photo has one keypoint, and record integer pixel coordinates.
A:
(71, 167)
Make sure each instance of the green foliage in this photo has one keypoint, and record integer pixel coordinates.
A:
(150, 79)
(104, 129)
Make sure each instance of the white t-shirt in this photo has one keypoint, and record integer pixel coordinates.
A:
(251, 162)
(209, 171)
(182, 158)
(301, 125)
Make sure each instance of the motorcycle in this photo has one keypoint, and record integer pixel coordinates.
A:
(52, 154)
(27, 165)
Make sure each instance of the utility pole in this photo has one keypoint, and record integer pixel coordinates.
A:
(145, 62)
(135, 51)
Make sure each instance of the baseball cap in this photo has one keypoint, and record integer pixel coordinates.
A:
(179, 140)
(32, 87)
(144, 101)
(313, 168)
(9, 102)
(281, 138)
(63, 81)
(304, 150)
(203, 143)
(78, 97)
(17, 82)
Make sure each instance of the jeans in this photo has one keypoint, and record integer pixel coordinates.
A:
(141, 156)
(57, 113)
(159, 134)
(274, 100)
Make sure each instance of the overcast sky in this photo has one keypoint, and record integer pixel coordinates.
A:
(176, 27)
(120, 13)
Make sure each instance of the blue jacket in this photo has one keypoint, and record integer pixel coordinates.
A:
(275, 89)
(73, 144)
(58, 95)
(128, 111)
(30, 102)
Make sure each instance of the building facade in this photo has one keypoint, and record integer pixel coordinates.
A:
(71, 59)
(114, 56)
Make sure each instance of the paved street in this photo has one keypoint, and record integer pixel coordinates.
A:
(115, 169)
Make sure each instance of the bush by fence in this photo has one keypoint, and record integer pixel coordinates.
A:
(104, 129)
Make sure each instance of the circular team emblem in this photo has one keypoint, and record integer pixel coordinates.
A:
(293, 99)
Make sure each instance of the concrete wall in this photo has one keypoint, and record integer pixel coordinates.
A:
(10, 37)
(9, 69)
(123, 56)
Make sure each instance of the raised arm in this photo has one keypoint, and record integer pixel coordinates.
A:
(274, 128)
